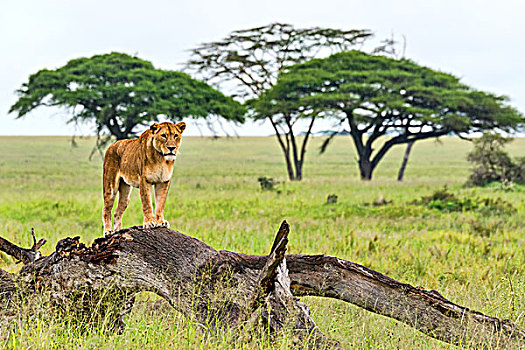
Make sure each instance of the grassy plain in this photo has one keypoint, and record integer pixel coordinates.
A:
(473, 258)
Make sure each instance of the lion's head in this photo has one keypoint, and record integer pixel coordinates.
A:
(166, 138)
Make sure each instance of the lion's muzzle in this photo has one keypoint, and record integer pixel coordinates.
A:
(171, 153)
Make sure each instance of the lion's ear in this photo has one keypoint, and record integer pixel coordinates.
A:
(154, 127)
(181, 126)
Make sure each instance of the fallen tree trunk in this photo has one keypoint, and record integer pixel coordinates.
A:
(228, 289)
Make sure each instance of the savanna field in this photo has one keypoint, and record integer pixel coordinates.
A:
(475, 258)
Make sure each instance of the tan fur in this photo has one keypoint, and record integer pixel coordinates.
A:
(141, 163)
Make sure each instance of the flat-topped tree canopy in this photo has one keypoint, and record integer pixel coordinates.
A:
(252, 58)
(379, 96)
(120, 92)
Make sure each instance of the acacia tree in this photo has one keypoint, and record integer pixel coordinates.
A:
(247, 62)
(395, 101)
(287, 113)
(120, 92)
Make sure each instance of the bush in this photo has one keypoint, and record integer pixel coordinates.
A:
(492, 163)
(331, 199)
(446, 201)
(267, 183)
(443, 200)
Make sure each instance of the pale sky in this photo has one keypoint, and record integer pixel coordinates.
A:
(481, 41)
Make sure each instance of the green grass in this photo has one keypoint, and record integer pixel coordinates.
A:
(473, 258)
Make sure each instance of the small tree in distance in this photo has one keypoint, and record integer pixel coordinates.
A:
(492, 163)
(119, 92)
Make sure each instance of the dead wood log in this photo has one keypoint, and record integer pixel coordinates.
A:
(21, 254)
(222, 288)
(274, 304)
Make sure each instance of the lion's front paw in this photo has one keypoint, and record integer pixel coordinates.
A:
(149, 224)
(163, 223)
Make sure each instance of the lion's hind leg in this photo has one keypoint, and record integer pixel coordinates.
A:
(110, 183)
(109, 200)
(124, 191)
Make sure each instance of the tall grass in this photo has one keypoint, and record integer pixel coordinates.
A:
(473, 258)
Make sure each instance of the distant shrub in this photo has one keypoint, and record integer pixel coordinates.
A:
(331, 199)
(492, 163)
(267, 183)
(446, 201)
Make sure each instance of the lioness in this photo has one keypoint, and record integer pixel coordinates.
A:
(141, 163)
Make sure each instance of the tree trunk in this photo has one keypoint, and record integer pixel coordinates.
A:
(405, 161)
(298, 170)
(285, 148)
(228, 289)
(292, 151)
(289, 166)
(294, 167)
(365, 168)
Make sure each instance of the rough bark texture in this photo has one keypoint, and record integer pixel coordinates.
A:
(222, 288)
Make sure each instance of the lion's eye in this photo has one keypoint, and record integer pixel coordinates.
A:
(176, 135)
(164, 136)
